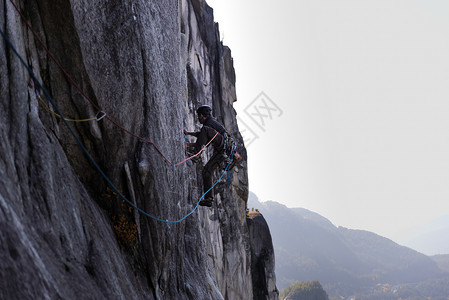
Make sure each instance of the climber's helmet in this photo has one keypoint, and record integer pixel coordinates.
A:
(204, 110)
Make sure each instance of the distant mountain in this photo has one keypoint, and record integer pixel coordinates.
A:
(442, 261)
(346, 262)
(431, 238)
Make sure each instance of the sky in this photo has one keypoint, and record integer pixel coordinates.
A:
(344, 106)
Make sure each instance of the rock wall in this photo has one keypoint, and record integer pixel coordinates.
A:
(262, 258)
(65, 233)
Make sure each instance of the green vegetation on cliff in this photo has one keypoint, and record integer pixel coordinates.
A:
(304, 290)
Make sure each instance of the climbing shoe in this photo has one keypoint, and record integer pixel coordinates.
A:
(207, 202)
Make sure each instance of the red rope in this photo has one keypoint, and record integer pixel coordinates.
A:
(204, 147)
(93, 103)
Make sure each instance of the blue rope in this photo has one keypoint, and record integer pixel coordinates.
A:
(87, 152)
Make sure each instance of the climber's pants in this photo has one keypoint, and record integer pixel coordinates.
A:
(208, 171)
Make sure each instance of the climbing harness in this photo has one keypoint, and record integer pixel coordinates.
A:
(229, 144)
(77, 139)
(230, 149)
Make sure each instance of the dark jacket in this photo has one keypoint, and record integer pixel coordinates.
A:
(208, 131)
(212, 122)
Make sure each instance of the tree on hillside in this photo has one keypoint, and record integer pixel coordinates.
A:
(305, 290)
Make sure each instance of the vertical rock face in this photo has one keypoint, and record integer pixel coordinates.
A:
(262, 258)
(65, 233)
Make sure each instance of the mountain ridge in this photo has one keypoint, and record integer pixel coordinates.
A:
(345, 261)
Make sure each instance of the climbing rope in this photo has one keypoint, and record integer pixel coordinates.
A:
(42, 103)
(92, 102)
(199, 152)
(47, 109)
(33, 76)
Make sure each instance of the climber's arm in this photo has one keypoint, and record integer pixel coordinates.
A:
(191, 133)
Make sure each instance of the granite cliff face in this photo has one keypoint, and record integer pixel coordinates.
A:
(65, 233)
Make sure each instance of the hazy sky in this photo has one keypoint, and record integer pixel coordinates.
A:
(358, 92)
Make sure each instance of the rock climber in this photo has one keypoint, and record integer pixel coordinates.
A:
(222, 144)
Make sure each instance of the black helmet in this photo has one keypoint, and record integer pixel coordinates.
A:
(205, 110)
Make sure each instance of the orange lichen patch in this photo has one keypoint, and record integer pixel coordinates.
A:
(252, 214)
(125, 230)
